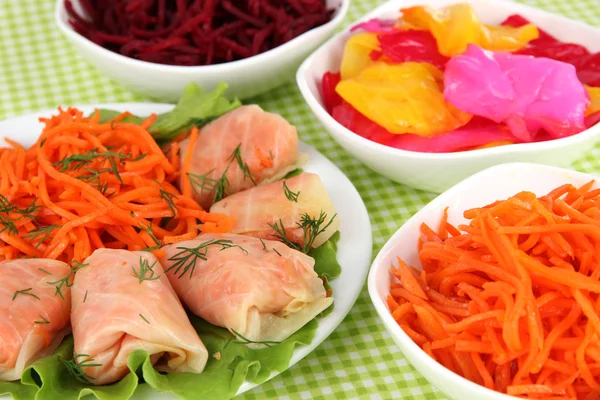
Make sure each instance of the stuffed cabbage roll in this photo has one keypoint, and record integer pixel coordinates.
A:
(294, 207)
(259, 290)
(239, 150)
(34, 318)
(122, 301)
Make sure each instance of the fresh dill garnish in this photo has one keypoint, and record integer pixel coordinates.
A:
(144, 318)
(186, 258)
(114, 168)
(140, 157)
(145, 271)
(278, 253)
(44, 271)
(85, 297)
(7, 207)
(30, 210)
(271, 155)
(220, 186)
(202, 181)
(245, 340)
(8, 225)
(282, 236)
(264, 245)
(150, 232)
(65, 280)
(42, 232)
(44, 321)
(25, 292)
(78, 161)
(291, 196)
(43, 141)
(237, 156)
(169, 198)
(75, 367)
(311, 228)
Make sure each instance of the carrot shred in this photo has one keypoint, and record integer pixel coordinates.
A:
(511, 300)
(90, 185)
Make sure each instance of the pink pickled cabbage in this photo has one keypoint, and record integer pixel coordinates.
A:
(528, 94)
(478, 132)
(375, 26)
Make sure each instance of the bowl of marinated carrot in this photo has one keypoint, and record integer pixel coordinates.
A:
(492, 289)
(156, 47)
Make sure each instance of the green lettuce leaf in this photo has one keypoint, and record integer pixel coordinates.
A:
(230, 364)
(326, 263)
(196, 107)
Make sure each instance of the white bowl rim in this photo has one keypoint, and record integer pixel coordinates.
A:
(515, 148)
(377, 265)
(272, 54)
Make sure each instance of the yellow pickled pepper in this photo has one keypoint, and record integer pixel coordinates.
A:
(403, 98)
(455, 26)
(357, 53)
(594, 106)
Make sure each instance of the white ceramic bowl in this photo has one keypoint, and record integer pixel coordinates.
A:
(437, 172)
(246, 78)
(483, 188)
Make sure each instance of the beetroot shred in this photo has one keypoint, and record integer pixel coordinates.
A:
(195, 32)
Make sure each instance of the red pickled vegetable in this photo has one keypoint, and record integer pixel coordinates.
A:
(417, 46)
(478, 132)
(195, 32)
(586, 63)
(331, 98)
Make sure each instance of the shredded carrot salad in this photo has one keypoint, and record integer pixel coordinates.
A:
(511, 301)
(85, 185)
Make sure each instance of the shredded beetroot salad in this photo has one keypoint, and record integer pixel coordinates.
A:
(195, 32)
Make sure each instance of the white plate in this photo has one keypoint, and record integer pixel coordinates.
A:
(485, 187)
(354, 247)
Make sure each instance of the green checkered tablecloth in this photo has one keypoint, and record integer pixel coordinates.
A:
(39, 70)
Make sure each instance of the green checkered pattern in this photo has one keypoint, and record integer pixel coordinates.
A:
(39, 70)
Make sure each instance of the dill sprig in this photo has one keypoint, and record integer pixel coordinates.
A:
(75, 367)
(85, 297)
(7, 207)
(264, 245)
(42, 232)
(281, 235)
(222, 185)
(66, 280)
(144, 318)
(44, 271)
(169, 198)
(311, 227)
(44, 321)
(8, 225)
(202, 181)
(237, 156)
(149, 230)
(245, 340)
(145, 271)
(291, 196)
(186, 258)
(76, 162)
(278, 253)
(25, 292)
